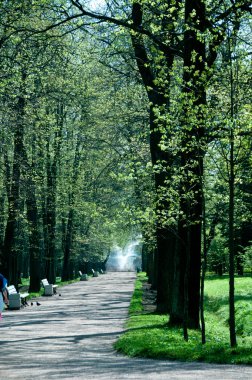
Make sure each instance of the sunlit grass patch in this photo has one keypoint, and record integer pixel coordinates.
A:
(148, 334)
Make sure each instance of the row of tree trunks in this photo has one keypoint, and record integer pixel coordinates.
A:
(195, 90)
(49, 212)
(10, 253)
(50, 220)
(17, 171)
(67, 270)
(34, 235)
(161, 160)
(178, 255)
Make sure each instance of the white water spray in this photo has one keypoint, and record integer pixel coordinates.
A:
(126, 259)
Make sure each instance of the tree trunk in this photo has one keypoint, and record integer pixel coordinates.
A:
(50, 223)
(34, 236)
(159, 100)
(145, 258)
(50, 203)
(231, 245)
(203, 274)
(232, 331)
(67, 270)
(10, 252)
(166, 239)
(194, 93)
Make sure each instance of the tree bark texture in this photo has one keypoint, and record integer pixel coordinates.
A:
(67, 270)
(158, 101)
(192, 165)
(34, 235)
(10, 253)
(50, 204)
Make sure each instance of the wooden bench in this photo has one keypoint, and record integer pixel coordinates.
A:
(49, 289)
(16, 300)
(95, 273)
(83, 276)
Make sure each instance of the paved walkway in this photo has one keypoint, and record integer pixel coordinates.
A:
(71, 336)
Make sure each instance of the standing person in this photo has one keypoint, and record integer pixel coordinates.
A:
(3, 294)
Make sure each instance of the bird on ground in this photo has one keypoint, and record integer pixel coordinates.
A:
(38, 304)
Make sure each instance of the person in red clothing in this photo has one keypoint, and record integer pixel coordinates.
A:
(3, 294)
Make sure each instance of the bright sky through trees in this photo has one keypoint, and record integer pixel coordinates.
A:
(96, 5)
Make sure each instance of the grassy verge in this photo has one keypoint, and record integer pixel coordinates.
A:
(148, 334)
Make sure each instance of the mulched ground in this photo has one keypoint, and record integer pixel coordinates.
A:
(149, 298)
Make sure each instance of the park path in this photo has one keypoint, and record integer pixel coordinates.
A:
(71, 337)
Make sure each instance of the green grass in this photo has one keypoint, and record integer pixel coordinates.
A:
(148, 334)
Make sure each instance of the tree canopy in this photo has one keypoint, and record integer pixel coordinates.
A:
(127, 118)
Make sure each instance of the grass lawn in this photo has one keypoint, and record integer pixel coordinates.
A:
(148, 334)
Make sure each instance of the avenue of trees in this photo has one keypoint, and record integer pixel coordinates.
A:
(121, 118)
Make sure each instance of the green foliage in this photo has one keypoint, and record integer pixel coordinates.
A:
(83, 120)
(149, 335)
(247, 258)
(85, 126)
(218, 254)
(244, 317)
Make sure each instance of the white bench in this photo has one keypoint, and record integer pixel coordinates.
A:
(49, 289)
(16, 300)
(83, 276)
(95, 273)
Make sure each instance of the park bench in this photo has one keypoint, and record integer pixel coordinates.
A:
(83, 276)
(16, 300)
(49, 289)
(95, 273)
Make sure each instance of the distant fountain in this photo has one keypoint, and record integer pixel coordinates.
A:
(125, 259)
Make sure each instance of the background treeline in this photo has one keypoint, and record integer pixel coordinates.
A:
(69, 147)
(130, 118)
